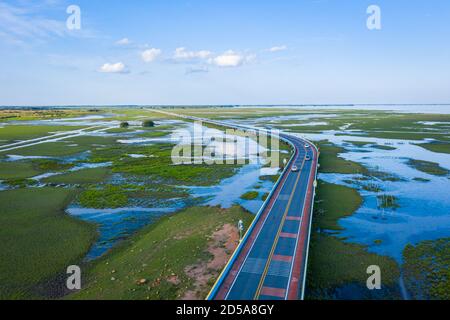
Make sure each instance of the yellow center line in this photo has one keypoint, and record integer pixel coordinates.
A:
(272, 251)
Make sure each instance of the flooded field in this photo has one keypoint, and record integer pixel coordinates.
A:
(116, 224)
(383, 187)
(403, 183)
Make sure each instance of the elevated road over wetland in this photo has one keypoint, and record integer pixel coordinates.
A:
(271, 261)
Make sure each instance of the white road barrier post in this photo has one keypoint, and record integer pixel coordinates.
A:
(241, 229)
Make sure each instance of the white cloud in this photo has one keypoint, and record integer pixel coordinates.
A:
(182, 54)
(231, 59)
(201, 69)
(118, 67)
(228, 59)
(19, 24)
(123, 42)
(277, 48)
(150, 55)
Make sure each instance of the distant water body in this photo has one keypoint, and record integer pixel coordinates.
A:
(406, 108)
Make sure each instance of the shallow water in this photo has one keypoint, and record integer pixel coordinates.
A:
(12, 157)
(425, 108)
(389, 160)
(424, 212)
(228, 192)
(309, 124)
(230, 146)
(116, 224)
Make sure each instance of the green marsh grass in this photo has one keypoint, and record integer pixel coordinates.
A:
(160, 254)
(37, 239)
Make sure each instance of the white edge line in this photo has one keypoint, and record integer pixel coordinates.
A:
(310, 225)
(291, 160)
(299, 230)
(257, 236)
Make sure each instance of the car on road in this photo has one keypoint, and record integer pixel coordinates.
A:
(294, 168)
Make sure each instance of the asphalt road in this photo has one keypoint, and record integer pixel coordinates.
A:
(272, 262)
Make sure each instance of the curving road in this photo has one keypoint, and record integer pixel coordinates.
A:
(271, 261)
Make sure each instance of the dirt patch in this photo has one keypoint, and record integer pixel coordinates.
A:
(222, 244)
(173, 279)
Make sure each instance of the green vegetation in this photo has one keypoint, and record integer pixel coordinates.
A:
(11, 133)
(119, 130)
(251, 195)
(128, 114)
(85, 176)
(17, 173)
(412, 135)
(359, 143)
(108, 197)
(70, 147)
(383, 147)
(428, 167)
(383, 176)
(273, 178)
(157, 262)
(159, 165)
(38, 114)
(440, 147)
(53, 149)
(37, 239)
(330, 162)
(363, 184)
(148, 123)
(154, 134)
(399, 125)
(379, 124)
(334, 263)
(168, 259)
(18, 170)
(335, 202)
(158, 191)
(49, 165)
(388, 202)
(372, 187)
(20, 183)
(427, 269)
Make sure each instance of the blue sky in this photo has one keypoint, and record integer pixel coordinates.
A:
(224, 52)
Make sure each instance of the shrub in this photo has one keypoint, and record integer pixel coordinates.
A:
(251, 195)
(148, 123)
